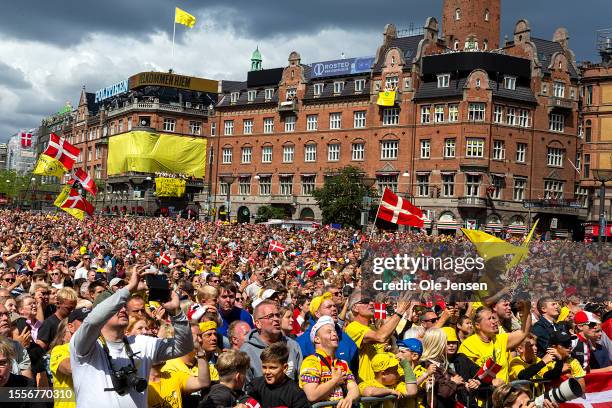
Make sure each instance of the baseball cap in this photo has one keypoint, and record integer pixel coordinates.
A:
(317, 301)
(382, 361)
(451, 334)
(560, 338)
(116, 281)
(411, 344)
(196, 311)
(78, 314)
(323, 320)
(583, 317)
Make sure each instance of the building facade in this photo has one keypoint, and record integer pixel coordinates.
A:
(3, 155)
(481, 135)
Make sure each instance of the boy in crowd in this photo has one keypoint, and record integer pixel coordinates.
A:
(274, 388)
(232, 366)
(387, 379)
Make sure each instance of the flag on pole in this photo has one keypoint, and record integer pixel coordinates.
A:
(26, 139)
(184, 18)
(71, 201)
(380, 311)
(488, 371)
(86, 181)
(518, 258)
(396, 210)
(164, 259)
(48, 166)
(489, 246)
(276, 246)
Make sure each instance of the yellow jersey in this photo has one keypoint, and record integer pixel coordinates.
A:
(367, 351)
(176, 364)
(61, 381)
(314, 371)
(497, 349)
(400, 387)
(167, 392)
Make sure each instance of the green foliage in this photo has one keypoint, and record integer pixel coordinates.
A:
(266, 212)
(340, 199)
(14, 184)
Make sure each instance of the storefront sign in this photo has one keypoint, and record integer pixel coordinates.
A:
(173, 81)
(113, 90)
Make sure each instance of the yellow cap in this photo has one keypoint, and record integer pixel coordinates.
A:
(451, 334)
(206, 326)
(563, 314)
(382, 361)
(83, 250)
(316, 302)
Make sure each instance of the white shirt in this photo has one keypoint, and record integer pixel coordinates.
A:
(80, 273)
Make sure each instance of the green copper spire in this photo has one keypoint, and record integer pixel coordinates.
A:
(256, 60)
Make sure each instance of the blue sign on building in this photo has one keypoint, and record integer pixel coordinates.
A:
(341, 67)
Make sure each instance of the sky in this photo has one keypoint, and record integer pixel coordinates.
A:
(49, 50)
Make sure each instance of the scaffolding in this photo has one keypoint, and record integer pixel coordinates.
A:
(604, 44)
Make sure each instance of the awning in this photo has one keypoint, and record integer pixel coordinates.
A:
(517, 229)
(423, 172)
(561, 233)
(447, 172)
(448, 225)
(308, 174)
(426, 224)
(500, 175)
(387, 173)
(474, 173)
(264, 174)
(285, 175)
(493, 227)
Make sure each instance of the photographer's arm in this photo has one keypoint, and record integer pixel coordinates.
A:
(182, 342)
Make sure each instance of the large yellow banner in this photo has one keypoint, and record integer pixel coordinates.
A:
(169, 187)
(149, 152)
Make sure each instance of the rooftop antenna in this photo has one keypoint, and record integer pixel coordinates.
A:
(342, 55)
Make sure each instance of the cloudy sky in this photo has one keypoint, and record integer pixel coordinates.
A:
(50, 49)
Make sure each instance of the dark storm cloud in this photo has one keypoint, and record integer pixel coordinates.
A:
(12, 78)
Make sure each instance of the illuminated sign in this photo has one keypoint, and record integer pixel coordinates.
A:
(173, 81)
(341, 67)
(110, 91)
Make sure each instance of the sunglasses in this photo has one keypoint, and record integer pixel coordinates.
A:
(432, 320)
(11, 280)
(271, 316)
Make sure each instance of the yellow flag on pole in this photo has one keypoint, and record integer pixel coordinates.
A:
(522, 256)
(61, 198)
(386, 98)
(48, 166)
(489, 246)
(184, 18)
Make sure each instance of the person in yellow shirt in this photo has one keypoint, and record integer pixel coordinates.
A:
(528, 366)
(369, 340)
(387, 380)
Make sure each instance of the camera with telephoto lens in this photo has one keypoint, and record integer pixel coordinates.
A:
(567, 391)
(126, 378)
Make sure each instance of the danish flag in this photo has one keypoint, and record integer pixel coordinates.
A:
(26, 139)
(276, 246)
(597, 394)
(62, 151)
(380, 311)
(396, 210)
(164, 259)
(75, 200)
(488, 371)
(86, 181)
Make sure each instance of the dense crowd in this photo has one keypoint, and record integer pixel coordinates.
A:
(289, 327)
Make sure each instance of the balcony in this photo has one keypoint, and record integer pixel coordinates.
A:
(288, 106)
(197, 110)
(473, 202)
(282, 199)
(561, 103)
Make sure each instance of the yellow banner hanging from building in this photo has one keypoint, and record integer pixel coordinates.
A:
(386, 98)
(169, 187)
(149, 152)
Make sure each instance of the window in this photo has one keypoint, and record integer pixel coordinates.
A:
(98, 171)
(588, 95)
(439, 113)
(244, 185)
(335, 120)
(228, 128)
(360, 85)
(573, 93)
(487, 15)
(358, 151)
(458, 14)
(248, 126)
(511, 116)
(308, 184)
(587, 165)
(485, 45)
(288, 152)
(523, 119)
(213, 129)
(423, 185)
(448, 185)
(265, 185)
(510, 82)
(251, 96)
(247, 154)
(544, 89)
(518, 193)
(443, 80)
(499, 150)
(290, 124)
(472, 185)
(359, 119)
(556, 122)
(120, 129)
(587, 131)
(498, 114)
(266, 154)
(89, 154)
(129, 124)
(333, 152)
(388, 149)
(338, 87)
(223, 188)
(195, 127)
(234, 97)
(425, 149)
(268, 125)
(98, 152)
(554, 156)
(390, 116)
(268, 94)
(425, 114)
(476, 112)
(474, 148)
(521, 152)
(391, 82)
(318, 89)
(169, 125)
(581, 194)
(407, 84)
(310, 153)
(558, 89)
(498, 185)
(553, 189)
(290, 94)
(286, 185)
(453, 112)
(386, 181)
(227, 155)
(312, 122)
(449, 148)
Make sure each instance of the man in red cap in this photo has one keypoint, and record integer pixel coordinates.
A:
(588, 331)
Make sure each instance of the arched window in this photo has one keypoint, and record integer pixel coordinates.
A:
(458, 14)
(456, 46)
(487, 15)
(587, 131)
(485, 45)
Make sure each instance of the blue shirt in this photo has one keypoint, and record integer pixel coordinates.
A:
(235, 314)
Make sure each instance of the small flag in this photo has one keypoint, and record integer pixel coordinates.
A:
(276, 246)
(26, 139)
(164, 259)
(386, 98)
(396, 210)
(488, 371)
(380, 311)
(86, 181)
(184, 18)
(252, 403)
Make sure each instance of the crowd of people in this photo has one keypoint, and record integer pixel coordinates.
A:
(291, 326)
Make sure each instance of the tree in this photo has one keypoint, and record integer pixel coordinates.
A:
(341, 197)
(266, 212)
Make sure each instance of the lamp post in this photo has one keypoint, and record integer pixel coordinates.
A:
(366, 201)
(228, 179)
(602, 175)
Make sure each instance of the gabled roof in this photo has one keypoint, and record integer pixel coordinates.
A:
(521, 93)
(545, 50)
(92, 105)
(408, 45)
(232, 86)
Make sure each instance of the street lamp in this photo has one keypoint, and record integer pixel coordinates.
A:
(228, 179)
(602, 175)
(366, 201)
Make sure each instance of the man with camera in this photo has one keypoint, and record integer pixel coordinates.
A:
(109, 367)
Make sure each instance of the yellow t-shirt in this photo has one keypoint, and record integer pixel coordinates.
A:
(61, 381)
(167, 392)
(400, 387)
(420, 371)
(576, 370)
(517, 365)
(176, 364)
(367, 351)
(313, 371)
(478, 351)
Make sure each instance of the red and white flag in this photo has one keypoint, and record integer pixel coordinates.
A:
(399, 211)
(86, 181)
(164, 259)
(598, 392)
(26, 139)
(62, 151)
(380, 311)
(488, 371)
(276, 246)
(252, 403)
(75, 200)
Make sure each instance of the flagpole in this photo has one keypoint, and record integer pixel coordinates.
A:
(375, 218)
(173, 35)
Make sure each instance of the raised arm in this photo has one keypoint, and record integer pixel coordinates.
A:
(202, 380)
(515, 338)
(182, 342)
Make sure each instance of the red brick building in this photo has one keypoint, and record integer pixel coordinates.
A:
(477, 129)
